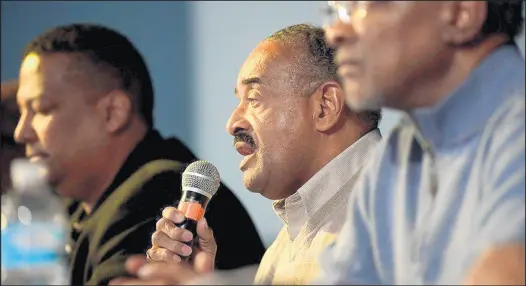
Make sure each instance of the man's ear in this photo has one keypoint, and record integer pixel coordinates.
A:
(329, 103)
(117, 110)
(463, 21)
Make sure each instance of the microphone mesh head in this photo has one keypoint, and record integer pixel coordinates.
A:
(201, 175)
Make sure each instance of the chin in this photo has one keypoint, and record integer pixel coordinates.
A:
(272, 195)
(253, 183)
(367, 102)
(250, 184)
(360, 97)
(62, 189)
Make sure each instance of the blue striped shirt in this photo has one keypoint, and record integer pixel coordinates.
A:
(447, 184)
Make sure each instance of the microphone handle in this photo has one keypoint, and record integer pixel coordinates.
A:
(190, 225)
(193, 206)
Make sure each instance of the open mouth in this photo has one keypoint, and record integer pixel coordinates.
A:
(244, 148)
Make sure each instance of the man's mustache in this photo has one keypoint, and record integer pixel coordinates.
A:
(242, 136)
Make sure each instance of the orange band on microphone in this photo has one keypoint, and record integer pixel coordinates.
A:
(192, 210)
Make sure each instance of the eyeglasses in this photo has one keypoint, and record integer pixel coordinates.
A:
(344, 11)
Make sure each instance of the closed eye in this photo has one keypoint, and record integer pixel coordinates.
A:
(253, 102)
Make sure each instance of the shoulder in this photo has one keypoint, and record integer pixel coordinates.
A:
(140, 202)
(505, 130)
(502, 145)
(165, 185)
(509, 116)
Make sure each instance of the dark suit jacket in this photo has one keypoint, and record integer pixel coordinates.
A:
(120, 227)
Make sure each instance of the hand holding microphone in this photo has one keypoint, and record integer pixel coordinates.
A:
(170, 242)
(182, 232)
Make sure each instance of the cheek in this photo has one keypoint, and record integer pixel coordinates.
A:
(63, 135)
(382, 55)
(45, 127)
(281, 131)
(387, 58)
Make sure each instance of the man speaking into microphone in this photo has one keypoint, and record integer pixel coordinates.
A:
(302, 148)
(86, 100)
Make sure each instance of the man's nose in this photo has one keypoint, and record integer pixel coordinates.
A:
(339, 32)
(237, 121)
(24, 132)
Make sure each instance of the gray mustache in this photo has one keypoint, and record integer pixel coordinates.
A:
(240, 136)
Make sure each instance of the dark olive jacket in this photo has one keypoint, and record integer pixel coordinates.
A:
(123, 220)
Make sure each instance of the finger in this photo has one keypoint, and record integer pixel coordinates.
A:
(206, 235)
(134, 281)
(173, 231)
(162, 254)
(161, 240)
(173, 272)
(173, 214)
(134, 263)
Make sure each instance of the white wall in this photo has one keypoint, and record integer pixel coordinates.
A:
(224, 33)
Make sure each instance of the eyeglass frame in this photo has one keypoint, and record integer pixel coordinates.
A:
(345, 10)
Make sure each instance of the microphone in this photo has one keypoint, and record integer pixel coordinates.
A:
(200, 181)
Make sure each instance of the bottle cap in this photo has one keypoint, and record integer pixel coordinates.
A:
(27, 174)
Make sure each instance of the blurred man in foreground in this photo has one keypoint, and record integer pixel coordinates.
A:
(443, 200)
(86, 101)
(9, 115)
(302, 147)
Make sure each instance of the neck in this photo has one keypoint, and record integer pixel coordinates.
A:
(334, 143)
(117, 153)
(463, 61)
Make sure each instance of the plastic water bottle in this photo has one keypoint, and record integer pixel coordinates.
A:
(34, 229)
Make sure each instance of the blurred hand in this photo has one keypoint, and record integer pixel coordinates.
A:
(168, 242)
(155, 273)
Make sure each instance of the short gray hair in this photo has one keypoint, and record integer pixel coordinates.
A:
(316, 60)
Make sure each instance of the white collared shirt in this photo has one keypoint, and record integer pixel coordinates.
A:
(313, 216)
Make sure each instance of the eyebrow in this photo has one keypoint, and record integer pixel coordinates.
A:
(30, 100)
(249, 81)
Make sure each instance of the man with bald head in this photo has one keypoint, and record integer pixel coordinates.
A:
(302, 148)
(443, 201)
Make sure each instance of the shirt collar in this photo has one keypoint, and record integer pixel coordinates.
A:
(319, 189)
(465, 111)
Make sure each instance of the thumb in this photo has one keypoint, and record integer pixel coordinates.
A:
(204, 260)
(206, 237)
